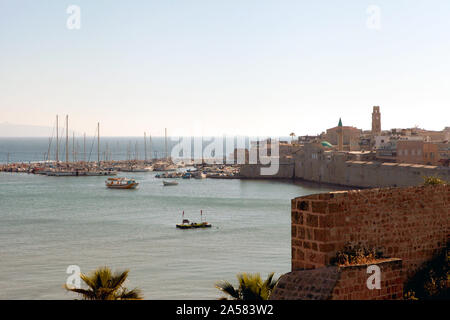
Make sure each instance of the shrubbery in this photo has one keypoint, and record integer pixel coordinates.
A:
(356, 254)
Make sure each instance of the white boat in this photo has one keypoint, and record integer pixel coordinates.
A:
(170, 183)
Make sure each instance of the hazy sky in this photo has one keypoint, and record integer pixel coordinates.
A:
(252, 67)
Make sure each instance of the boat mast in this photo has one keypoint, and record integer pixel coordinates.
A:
(73, 146)
(135, 152)
(57, 141)
(145, 147)
(165, 143)
(129, 152)
(67, 139)
(151, 151)
(98, 143)
(203, 160)
(47, 158)
(84, 147)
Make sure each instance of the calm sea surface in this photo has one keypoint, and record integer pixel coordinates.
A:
(49, 223)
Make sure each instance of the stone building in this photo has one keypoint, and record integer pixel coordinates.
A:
(410, 151)
(350, 137)
(422, 152)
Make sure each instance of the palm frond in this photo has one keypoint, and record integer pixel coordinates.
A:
(85, 294)
(104, 285)
(228, 288)
(118, 279)
(134, 294)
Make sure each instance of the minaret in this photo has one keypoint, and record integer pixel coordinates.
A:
(376, 121)
(340, 136)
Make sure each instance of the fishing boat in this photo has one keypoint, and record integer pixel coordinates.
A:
(121, 183)
(186, 224)
(170, 183)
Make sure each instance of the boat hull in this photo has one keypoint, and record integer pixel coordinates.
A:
(194, 226)
(170, 183)
(125, 186)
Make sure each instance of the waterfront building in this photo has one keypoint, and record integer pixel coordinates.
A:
(350, 137)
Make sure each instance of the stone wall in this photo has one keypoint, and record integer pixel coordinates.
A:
(316, 164)
(341, 283)
(253, 171)
(409, 223)
(352, 283)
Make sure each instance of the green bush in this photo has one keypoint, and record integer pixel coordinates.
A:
(356, 254)
(432, 181)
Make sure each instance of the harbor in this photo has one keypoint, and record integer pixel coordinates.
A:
(49, 223)
(165, 169)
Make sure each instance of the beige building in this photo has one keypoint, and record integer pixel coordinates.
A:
(350, 136)
(423, 152)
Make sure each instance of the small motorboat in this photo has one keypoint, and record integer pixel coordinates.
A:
(121, 183)
(170, 183)
(186, 224)
(193, 225)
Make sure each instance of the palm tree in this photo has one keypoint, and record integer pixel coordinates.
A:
(292, 134)
(251, 287)
(104, 285)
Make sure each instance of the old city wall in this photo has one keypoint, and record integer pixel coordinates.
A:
(253, 171)
(410, 223)
(341, 283)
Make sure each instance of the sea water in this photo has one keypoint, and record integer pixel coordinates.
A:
(50, 223)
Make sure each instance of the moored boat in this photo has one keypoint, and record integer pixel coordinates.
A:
(121, 183)
(186, 224)
(170, 183)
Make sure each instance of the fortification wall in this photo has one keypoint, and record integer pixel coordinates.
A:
(336, 170)
(410, 223)
(341, 283)
(366, 174)
(253, 171)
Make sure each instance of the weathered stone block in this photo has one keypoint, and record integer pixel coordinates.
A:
(319, 206)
